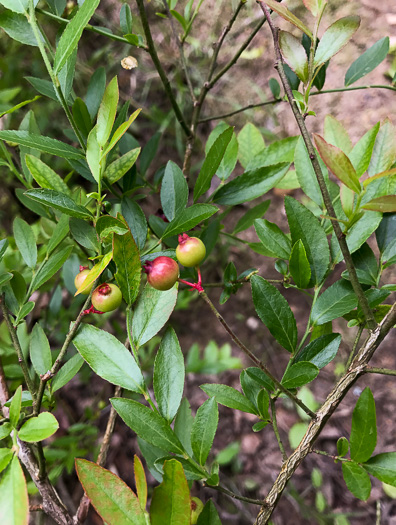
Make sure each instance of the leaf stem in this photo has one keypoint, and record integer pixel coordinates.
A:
(231, 494)
(276, 430)
(357, 287)
(383, 371)
(253, 358)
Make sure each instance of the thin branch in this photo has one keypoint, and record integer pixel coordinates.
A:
(358, 368)
(15, 342)
(88, 27)
(279, 100)
(232, 495)
(180, 45)
(82, 511)
(276, 430)
(58, 362)
(357, 287)
(253, 358)
(383, 371)
(160, 71)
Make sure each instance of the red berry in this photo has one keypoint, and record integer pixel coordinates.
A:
(191, 251)
(106, 297)
(162, 273)
(80, 278)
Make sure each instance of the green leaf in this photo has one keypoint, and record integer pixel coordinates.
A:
(5, 430)
(5, 278)
(126, 20)
(299, 265)
(5, 456)
(250, 387)
(357, 480)
(171, 502)
(18, 6)
(14, 502)
(38, 428)
(366, 266)
(180, 18)
(287, 15)
(294, 54)
(96, 88)
(82, 117)
(45, 176)
(126, 256)
(368, 61)
(148, 153)
(114, 501)
(152, 311)
(250, 143)
(320, 351)
(84, 234)
(44, 144)
(338, 163)
(95, 272)
(107, 112)
(274, 311)
(120, 131)
(3, 247)
(107, 225)
(337, 300)
(40, 351)
(59, 201)
(251, 184)
(140, 481)
(15, 407)
(17, 27)
(305, 173)
(384, 152)
(117, 169)
(364, 427)
(277, 152)
(305, 226)
(54, 263)
(45, 87)
(168, 380)
(136, 220)
(183, 425)
(204, 429)
(174, 191)
(386, 231)
(299, 374)
(72, 34)
(25, 241)
(230, 158)
(273, 238)
(250, 216)
(335, 38)
(229, 397)
(342, 446)
(59, 233)
(383, 467)
(336, 135)
(188, 218)
(148, 425)
(360, 155)
(15, 108)
(67, 372)
(212, 162)
(109, 358)
(385, 204)
(93, 154)
(209, 515)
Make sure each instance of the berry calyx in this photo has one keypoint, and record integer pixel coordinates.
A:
(106, 297)
(190, 251)
(196, 509)
(80, 278)
(162, 272)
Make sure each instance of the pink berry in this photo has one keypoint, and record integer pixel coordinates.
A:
(106, 297)
(191, 251)
(162, 272)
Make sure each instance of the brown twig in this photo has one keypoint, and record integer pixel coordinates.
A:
(357, 287)
(83, 508)
(358, 368)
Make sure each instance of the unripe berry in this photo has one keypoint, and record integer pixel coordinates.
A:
(190, 251)
(106, 297)
(196, 509)
(162, 273)
(80, 278)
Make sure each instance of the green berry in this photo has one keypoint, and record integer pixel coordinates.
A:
(191, 251)
(196, 509)
(80, 278)
(106, 297)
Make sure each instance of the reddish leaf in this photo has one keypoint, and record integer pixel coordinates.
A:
(113, 500)
(313, 6)
(386, 204)
(388, 173)
(338, 163)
